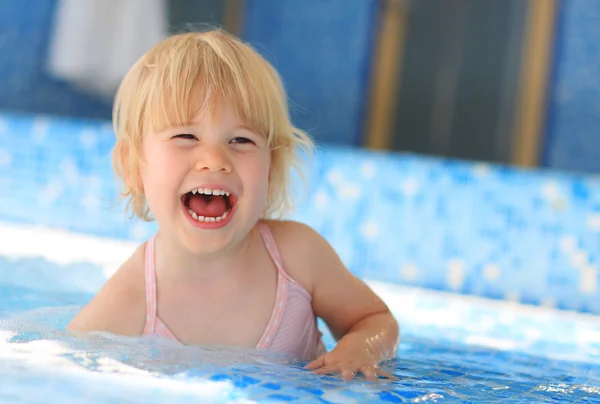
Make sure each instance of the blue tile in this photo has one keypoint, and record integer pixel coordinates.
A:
(386, 396)
(312, 390)
(432, 223)
(245, 381)
(271, 386)
(219, 377)
(282, 397)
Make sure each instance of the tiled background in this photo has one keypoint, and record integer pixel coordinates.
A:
(529, 236)
(493, 231)
(329, 99)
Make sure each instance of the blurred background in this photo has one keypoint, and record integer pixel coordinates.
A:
(508, 81)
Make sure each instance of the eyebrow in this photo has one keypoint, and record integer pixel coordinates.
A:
(250, 129)
(244, 126)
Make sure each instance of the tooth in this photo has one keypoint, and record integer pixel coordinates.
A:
(194, 215)
(201, 218)
(225, 215)
(217, 192)
(226, 193)
(212, 219)
(207, 191)
(194, 191)
(219, 218)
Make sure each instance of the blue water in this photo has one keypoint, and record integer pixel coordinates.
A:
(453, 350)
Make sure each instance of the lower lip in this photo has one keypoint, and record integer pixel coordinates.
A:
(207, 225)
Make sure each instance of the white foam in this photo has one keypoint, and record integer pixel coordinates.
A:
(62, 247)
(399, 297)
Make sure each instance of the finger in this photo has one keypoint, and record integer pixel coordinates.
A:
(385, 374)
(348, 374)
(326, 370)
(369, 373)
(317, 363)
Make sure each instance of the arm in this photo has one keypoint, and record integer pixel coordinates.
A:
(366, 331)
(118, 307)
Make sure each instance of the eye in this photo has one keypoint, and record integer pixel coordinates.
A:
(185, 136)
(241, 140)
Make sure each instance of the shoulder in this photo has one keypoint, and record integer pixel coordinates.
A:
(338, 297)
(119, 307)
(303, 250)
(287, 230)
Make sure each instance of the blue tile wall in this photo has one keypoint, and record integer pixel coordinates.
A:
(529, 236)
(573, 139)
(322, 49)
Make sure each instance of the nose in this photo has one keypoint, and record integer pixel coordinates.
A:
(213, 159)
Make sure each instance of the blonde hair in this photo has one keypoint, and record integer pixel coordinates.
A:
(169, 85)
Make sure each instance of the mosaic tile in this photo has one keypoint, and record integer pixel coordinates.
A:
(444, 225)
(402, 222)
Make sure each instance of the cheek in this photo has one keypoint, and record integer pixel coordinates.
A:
(257, 173)
(162, 169)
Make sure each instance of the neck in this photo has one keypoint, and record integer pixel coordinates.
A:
(174, 260)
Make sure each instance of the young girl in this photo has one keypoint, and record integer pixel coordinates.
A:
(205, 143)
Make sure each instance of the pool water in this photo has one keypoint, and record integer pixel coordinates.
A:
(454, 348)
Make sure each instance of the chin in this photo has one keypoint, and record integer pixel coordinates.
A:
(212, 239)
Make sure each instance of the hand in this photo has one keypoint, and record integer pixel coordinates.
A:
(350, 356)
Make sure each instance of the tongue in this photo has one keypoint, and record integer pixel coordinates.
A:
(208, 205)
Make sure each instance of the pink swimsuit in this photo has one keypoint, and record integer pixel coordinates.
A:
(292, 328)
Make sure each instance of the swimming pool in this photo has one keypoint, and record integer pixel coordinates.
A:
(524, 236)
(454, 348)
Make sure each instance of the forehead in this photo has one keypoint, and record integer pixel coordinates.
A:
(210, 111)
(216, 112)
(209, 87)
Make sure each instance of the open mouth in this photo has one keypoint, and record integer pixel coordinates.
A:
(209, 205)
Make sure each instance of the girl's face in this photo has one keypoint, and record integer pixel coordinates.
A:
(207, 183)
